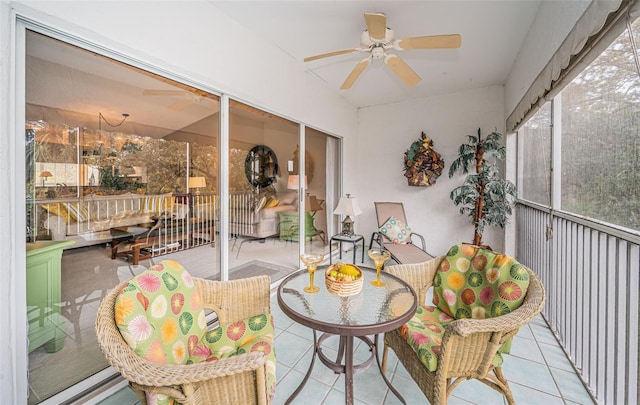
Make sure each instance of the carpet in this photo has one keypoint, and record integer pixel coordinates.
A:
(259, 268)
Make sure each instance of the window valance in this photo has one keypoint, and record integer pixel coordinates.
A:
(599, 25)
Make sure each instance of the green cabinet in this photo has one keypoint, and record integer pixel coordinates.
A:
(289, 229)
(46, 325)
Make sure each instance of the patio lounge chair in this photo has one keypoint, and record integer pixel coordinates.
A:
(394, 235)
(480, 300)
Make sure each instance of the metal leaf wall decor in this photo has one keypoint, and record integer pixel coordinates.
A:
(422, 164)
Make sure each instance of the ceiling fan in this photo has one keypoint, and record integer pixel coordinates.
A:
(188, 98)
(378, 38)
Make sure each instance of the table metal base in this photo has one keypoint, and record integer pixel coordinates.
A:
(345, 350)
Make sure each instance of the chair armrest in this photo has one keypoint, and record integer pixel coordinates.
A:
(377, 237)
(424, 245)
(151, 374)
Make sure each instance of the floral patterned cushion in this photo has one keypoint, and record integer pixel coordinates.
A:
(474, 282)
(254, 334)
(424, 334)
(396, 230)
(159, 313)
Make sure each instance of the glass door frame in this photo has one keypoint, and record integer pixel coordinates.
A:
(19, 333)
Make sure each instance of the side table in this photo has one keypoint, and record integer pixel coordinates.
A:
(340, 238)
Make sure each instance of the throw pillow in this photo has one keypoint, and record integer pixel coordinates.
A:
(59, 210)
(396, 230)
(160, 314)
(261, 203)
(78, 212)
(157, 203)
(272, 202)
(474, 282)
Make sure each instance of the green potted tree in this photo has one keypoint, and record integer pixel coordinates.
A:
(484, 196)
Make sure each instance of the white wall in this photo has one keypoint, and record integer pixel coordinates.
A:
(193, 40)
(386, 132)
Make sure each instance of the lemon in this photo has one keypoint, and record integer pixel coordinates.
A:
(349, 270)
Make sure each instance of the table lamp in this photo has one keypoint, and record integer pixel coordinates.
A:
(46, 174)
(349, 207)
(311, 204)
(197, 183)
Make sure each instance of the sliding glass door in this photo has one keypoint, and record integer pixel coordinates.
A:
(264, 199)
(122, 172)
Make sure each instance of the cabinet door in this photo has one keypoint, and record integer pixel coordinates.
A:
(289, 229)
(46, 326)
(288, 226)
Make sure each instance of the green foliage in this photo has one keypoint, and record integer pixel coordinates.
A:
(485, 197)
(110, 179)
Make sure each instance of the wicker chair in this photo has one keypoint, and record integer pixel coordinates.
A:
(468, 345)
(238, 379)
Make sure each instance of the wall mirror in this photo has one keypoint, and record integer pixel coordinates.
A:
(261, 166)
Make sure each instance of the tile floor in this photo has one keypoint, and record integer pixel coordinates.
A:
(537, 369)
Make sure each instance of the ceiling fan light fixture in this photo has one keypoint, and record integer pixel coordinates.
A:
(377, 52)
(377, 38)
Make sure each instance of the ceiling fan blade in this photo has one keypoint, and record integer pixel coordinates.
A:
(376, 25)
(355, 73)
(163, 92)
(429, 42)
(334, 53)
(402, 70)
(181, 104)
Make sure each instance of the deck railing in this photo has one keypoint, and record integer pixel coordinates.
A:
(591, 274)
(188, 220)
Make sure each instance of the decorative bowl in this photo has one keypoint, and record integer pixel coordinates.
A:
(341, 284)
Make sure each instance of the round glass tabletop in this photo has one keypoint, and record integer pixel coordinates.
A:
(373, 310)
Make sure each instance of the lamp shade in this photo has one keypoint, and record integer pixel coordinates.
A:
(293, 182)
(46, 173)
(348, 206)
(311, 204)
(196, 182)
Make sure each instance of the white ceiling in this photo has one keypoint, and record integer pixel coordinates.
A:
(492, 34)
(70, 79)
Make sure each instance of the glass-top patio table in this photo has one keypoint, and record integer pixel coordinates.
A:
(372, 311)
